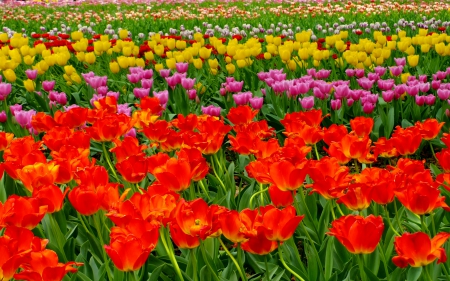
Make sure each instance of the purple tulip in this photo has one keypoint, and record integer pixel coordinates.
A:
(396, 70)
(3, 117)
(441, 75)
(242, 98)
(147, 74)
(130, 133)
(368, 107)
(211, 110)
(102, 90)
(235, 86)
(113, 94)
(388, 96)
(134, 77)
(182, 67)
(141, 92)
(14, 108)
(341, 91)
(164, 73)
(322, 74)
(23, 118)
(307, 102)
(423, 78)
(413, 90)
(400, 61)
(350, 72)
(365, 83)
(385, 84)
(424, 87)
(48, 85)
(350, 102)
(147, 83)
(359, 73)
(380, 70)
(124, 109)
(188, 83)
(136, 70)
(430, 99)
(443, 94)
(256, 102)
(31, 74)
(435, 84)
(420, 100)
(373, 76)
(336, 104)
(5, 90)
(172, 81)
(163, 96)
(192, 94)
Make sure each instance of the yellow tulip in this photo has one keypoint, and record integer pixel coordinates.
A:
(140, 62)
(80, 56)
(123, 62)
(285, 55)
(425, 48)
(131, 61)
(198, 63)
(181, 45)
(10, 75)
(123, 34)
(292, 65)
(440, 48)
(159, 66)
(413, 61)
(69, 69)
(90, 58)
(267, 55)
(77, 35)
(423, 32)
(149, 56)
(4, 37)
(213, 63)
(29, 84)
(114, 67)
(241, 63)
(75, 78)
(230, 68)
(28, 60)
(204, 53)
(404, 77)
(277, 41)
(171, 63)
(171, 43)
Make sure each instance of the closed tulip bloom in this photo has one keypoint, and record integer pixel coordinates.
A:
(430, 128)
(10, 75)
(133, 169)
(280, 225)
(358, 234)
(286, 176)
(5, 90)
(362, 126)
(413, 60)
(357, 197)
(51, 196)
(418, 249)
(21, 212)
(279, 197)
(31, 74)
(421, 198)
(37, 175)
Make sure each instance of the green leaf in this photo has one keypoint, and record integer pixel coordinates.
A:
(435, 170)
(154, 276)
(245, 198)
(329, 258)
(3, 195)
(313, 268)
(370, 275)
(373, 261)
(414, 273)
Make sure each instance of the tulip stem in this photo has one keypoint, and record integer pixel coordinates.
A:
(280, 254)
(389, 221)
(424, 225)
(208, 265)
(360, 259)
(333, 215)
(243, 277)
(130, 276)
(427, 273)
(383, 257)
(317, 152)
(254, 195)
(100, 236)
(194, 265)
(170, 253)
(111, 167)
(356, 165)
(397, 218)
(267, 267)
(204, 189)
(339, 209)
(432, 151)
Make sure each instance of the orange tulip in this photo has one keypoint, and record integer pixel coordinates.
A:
(421, 198)
(151, 104)
(73, 118)
(286, 176)
(159, 131)
(334, 133)
(42, 122)
(126, 148)
(176, 174)
(110, 127)
(279, 197)
(359, 235)
(430, 128)
(239, 227)
(199, 166)
(194, 218)
(134, 168)
(407, 141)
(330, 178)
(44, 265)
(354, 147)
(385, 148)
(52, 196)
(182, 240)
(21, 212)
(37, 175)
(5, 140)
(259, 244)
(362, 126)
(280, 225)
(357, 197)
(241, 116)
(418, 249)
(382, 183)
(130, 246)
(443, 158)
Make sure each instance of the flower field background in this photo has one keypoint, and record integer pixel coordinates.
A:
(225, 140)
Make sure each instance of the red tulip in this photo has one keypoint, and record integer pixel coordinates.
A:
(280, 225)
(259, 244)
(418, 249)
(421, 198)
(362, 126)
(239, 227)
(359, 235)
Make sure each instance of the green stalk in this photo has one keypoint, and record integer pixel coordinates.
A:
(397, 218)
(170, 253)
(386, 212)
(280, 254)
(108, 160)
(383, 258)
(194, 264)
(208, 265)
(360, 259)
(267, 267)
(254, 195)
(100, 236)
(204, 189)
(243, 277)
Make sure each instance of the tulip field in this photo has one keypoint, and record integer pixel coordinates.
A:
(187, 140)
